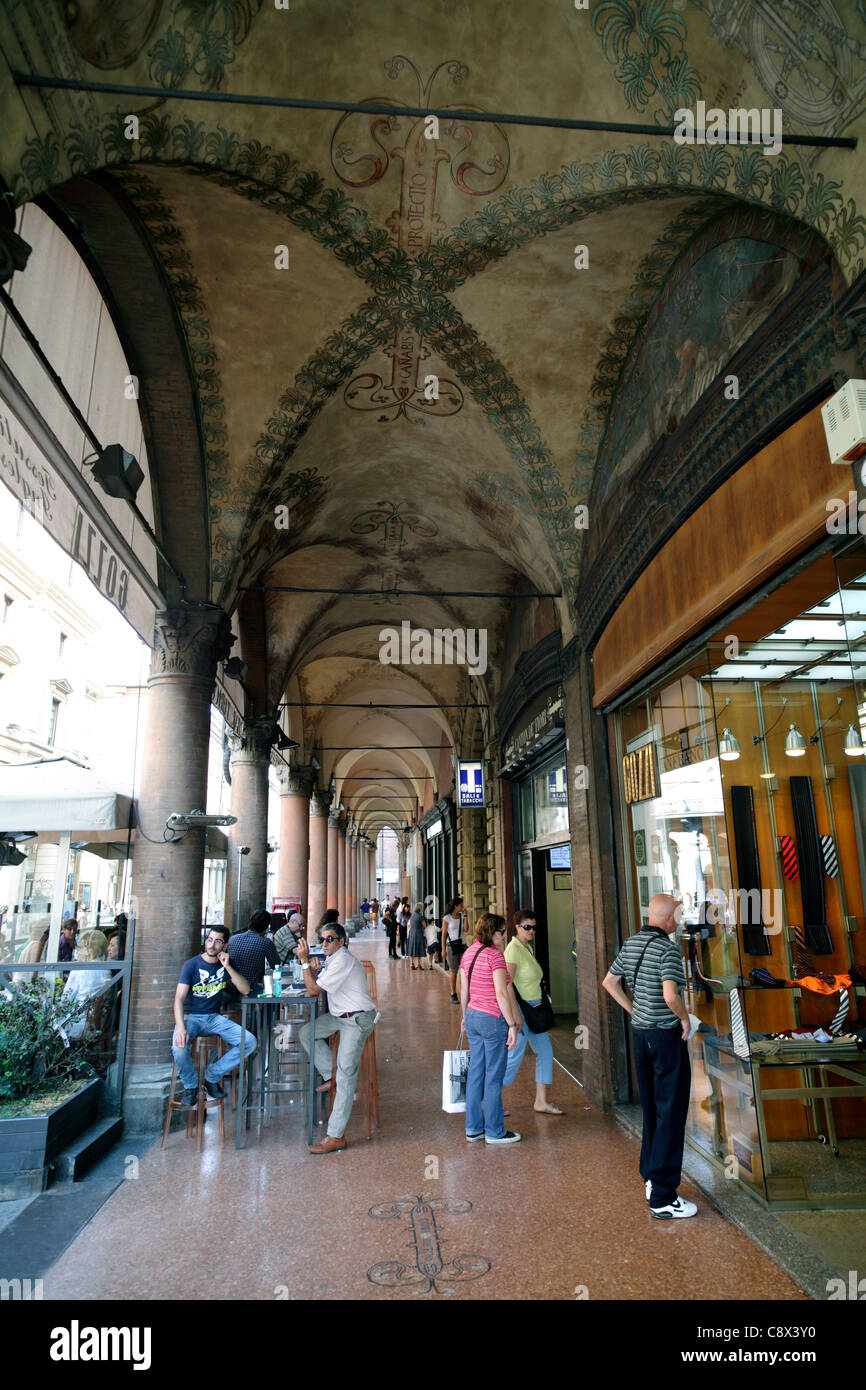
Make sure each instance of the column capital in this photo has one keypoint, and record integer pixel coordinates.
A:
(296, 780)
(320, 802)
(189, 640)
(333, 821)
(253, 743)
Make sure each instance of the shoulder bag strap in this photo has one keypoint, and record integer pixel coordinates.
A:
(639, 964)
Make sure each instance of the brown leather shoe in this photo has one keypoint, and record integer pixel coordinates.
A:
(328, 1145)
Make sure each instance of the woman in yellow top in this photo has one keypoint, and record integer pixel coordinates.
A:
(524, 972)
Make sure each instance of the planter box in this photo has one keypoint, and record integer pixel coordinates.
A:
(30, 1143)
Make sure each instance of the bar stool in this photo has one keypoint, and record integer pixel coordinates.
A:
(195, 1117)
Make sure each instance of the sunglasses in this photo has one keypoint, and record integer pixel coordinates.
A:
(326, 939)
(527, 926)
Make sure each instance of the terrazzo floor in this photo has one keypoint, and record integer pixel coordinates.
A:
(416, 1212)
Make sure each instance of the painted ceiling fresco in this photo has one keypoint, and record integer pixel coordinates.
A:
(437, 360)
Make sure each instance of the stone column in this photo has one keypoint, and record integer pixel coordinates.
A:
(293, 864)
(352, 905)
(167, 877)
(333, 861)
(318, 890)
(250, 760)
(340, 904)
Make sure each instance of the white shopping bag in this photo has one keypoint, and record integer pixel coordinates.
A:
(455, 1068)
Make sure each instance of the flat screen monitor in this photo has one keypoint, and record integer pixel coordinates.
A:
(560, 857)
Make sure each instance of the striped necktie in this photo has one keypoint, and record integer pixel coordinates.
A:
(788, 851)
(802, 956)
(739, 1036)
(828, 853)
(841, 1012)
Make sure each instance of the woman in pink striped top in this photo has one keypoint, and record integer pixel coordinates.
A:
(489, 1017)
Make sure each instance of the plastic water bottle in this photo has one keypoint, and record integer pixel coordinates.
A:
(278, 981)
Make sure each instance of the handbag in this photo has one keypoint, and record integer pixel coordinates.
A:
(539, 1018)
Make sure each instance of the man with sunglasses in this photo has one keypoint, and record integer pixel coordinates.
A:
(197, 1001)
(352, 1014)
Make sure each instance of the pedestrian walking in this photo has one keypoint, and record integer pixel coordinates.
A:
(416, 945)
(453, 942)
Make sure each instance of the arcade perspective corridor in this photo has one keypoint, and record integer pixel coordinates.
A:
(464, 407)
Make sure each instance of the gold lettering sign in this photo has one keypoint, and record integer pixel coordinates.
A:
(639, 774)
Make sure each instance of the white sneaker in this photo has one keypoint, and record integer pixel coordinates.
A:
(648, 1188)
(509, 1137)
(673, 1209)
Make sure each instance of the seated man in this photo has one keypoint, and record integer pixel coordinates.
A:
(250, 951)
(352, 1014)
(197, 1000)
(287, 936)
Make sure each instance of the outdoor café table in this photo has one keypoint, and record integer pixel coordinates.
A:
(267, 1009)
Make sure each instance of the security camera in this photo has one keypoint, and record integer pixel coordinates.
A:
(243, 849)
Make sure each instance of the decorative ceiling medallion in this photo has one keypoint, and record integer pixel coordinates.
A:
(386, 517)
(362, 148)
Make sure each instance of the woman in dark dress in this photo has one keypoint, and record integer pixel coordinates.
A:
(389, 921)
(416, 945)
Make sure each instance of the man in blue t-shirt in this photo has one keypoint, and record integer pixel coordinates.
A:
(197, 999)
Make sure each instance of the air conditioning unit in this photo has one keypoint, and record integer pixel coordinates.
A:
(844, 418)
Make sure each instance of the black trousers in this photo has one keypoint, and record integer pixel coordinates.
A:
(392, 941)
(664, 1077)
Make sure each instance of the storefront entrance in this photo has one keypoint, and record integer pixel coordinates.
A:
(743, 794)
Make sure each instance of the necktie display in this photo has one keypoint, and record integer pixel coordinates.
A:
(788, 851)
(841, 1013)
(815, 926)
(739, 1036)
(755, 939)
(804, 965)
(828, 853)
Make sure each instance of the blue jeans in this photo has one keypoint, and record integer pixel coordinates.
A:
(198, 1025)
(541, 1046)
(487, 1054)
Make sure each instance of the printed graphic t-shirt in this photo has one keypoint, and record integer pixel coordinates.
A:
(206, 985)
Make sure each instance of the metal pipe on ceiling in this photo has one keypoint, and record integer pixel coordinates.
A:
(389, 593)
(380, 108)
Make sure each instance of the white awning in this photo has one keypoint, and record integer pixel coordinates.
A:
(59, 795)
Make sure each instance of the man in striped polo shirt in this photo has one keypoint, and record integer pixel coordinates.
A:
(652, 966)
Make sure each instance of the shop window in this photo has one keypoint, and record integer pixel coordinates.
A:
(743, 786)
(551, 801)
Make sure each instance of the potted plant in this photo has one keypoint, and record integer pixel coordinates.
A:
(48, 1093)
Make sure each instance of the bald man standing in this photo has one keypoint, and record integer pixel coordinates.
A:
(652, 966)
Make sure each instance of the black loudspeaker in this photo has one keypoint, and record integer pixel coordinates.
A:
(755, 939)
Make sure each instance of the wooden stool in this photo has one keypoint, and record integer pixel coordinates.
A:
(195, 1117)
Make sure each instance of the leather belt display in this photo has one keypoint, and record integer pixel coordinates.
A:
(755, 939)
(815, 927)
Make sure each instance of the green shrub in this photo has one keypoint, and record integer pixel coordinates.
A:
(34, 1049)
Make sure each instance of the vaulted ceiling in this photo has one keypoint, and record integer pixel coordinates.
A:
(402, 375)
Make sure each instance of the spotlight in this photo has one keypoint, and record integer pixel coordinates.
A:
(9, 855)
(118, 473)
(853, 742)
(235, 669)
(729, 748)
(283, 741)
(795, 744)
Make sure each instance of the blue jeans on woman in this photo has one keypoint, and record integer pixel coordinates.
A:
(487, 1056)
(541, 1046)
